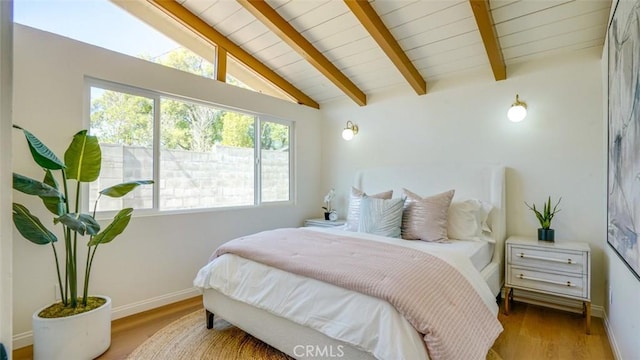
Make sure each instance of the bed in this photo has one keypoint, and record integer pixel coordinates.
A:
(257, 305)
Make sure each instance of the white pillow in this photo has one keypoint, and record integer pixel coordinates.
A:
(353, 213)
(468, 219)
(381, 216)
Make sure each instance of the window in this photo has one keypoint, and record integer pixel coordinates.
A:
(200, 155)
(125, 29)
(123, 122)
(274, 147)
(101, 23)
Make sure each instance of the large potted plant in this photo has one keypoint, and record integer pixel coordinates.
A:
(545, 232)
(79, 326)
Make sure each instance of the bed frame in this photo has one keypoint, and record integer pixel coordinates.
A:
(481, 181)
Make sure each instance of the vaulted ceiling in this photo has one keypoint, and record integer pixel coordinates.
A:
(316, 51)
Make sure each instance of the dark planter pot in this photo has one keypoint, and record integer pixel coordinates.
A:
(545, 234)
(326, 215)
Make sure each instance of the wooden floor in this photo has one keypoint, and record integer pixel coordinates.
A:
(534, 332)
(530, 332)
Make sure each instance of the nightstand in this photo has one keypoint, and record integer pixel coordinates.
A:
(554, 268)
(324, 223)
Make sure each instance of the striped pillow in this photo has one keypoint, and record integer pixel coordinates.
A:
(353, 214)
(426, 218)
(381, 216)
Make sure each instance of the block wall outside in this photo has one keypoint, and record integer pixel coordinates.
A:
(190, 180)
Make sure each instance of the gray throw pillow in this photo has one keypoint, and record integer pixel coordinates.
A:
(353, 214)
(381, 216)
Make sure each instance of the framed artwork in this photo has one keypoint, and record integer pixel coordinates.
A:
(623, 183)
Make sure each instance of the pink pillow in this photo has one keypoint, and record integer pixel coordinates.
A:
(426, 218)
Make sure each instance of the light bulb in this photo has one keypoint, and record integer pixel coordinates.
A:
(517, 113)
(347, 134)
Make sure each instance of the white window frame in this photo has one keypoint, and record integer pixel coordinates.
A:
(156, 96)
(258, 146)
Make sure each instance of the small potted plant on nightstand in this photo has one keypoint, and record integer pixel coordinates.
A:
(544, 217)
(328, 211)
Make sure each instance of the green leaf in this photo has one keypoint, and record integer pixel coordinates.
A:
(31, 186)
(30, 226)
(547, 213)
(123, 189)
(53, 204)
(83, 157)
(547, 208)
(117, 226)
(82, 223)
(41, 154)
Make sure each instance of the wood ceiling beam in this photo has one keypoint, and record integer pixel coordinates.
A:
(276, 23)
(207, 32)
(221, 64)
(377, 29)
(482, 13)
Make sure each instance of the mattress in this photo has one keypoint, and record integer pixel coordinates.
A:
(480, 252)
(365, 322)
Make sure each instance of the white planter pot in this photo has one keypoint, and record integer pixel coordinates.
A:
(82, 337)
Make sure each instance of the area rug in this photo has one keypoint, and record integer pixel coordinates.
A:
(188, 338)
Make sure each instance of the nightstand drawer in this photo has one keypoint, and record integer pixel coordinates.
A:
(566, 261)
(561, 284)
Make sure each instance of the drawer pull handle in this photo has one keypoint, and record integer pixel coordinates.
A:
(525, 256)
(567, 283)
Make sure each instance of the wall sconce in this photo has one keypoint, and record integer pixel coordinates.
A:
(350, 131)
(518, 110)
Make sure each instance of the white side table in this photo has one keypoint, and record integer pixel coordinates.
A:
(324, 223)
(555, 268)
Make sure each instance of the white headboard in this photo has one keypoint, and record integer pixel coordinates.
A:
(483, 181)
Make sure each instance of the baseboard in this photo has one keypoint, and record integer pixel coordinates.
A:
(144, 305)
(26, 338)
(22, 340)
(612, 338)
(597, 311)
(554, 302)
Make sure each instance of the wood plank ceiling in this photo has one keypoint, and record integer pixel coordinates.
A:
(317, 51)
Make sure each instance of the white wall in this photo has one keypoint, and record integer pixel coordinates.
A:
(6, 72)
(622, 315)
(558, 150)
(156, 259)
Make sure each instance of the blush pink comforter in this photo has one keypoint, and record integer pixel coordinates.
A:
(433, 296)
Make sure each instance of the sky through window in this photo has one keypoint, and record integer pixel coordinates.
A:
(96, 22)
